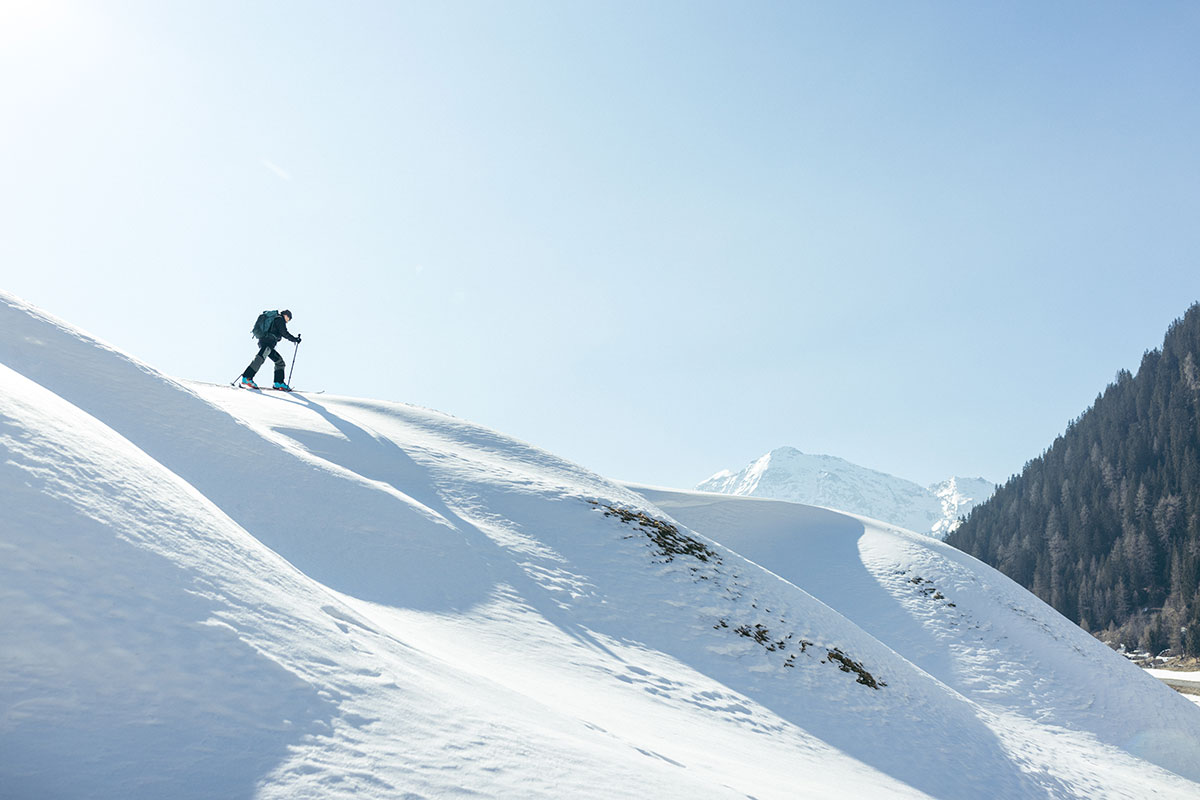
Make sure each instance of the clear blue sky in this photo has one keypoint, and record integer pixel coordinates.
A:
(658, 239)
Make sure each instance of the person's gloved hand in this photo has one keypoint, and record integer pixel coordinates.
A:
(298, 338)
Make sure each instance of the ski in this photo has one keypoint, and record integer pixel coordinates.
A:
(237, 384)
(292, 391)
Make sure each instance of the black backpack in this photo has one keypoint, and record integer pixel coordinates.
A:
(262, 325)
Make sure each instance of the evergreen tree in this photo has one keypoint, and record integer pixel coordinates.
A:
(1105, 525)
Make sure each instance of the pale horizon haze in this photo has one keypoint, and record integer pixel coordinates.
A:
(658, 239)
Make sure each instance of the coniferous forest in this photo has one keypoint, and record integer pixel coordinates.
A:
(1105, 525)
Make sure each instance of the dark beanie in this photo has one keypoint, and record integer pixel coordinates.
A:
(286, 313)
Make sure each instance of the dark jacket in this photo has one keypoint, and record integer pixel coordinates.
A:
(278, 331)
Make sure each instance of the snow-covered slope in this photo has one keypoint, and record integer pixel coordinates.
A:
(958, 496)
(213, 593)
(831, 482)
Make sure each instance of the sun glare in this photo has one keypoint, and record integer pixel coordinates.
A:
(25, 16)
(49, 44)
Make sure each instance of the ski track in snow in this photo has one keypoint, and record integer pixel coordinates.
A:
(217, 593)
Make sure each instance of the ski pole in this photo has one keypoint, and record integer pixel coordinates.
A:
(292, 368)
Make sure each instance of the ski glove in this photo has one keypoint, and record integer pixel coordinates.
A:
(298, 337)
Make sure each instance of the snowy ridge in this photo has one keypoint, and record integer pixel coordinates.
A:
(958, 496)
(215, 593)
(788, 474)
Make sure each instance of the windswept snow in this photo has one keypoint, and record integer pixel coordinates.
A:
(209, 592)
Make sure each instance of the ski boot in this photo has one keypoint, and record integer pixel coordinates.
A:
(281, 387)
(248, 383)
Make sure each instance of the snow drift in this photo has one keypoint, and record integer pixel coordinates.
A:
(209, 592)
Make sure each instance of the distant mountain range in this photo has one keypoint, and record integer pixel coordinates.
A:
(820, 480)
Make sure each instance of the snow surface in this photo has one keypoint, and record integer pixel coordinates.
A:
(958, 496)
(1187, 682)
(831, 482)
(210, 592)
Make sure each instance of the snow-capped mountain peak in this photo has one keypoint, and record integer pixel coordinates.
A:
(958, 496)
(786, 473)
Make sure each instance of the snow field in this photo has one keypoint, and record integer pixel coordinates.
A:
(212, 592)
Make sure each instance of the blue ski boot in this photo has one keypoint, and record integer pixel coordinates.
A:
(282, 387)
(248, 383)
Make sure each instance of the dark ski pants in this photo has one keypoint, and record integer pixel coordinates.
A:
(263, 353)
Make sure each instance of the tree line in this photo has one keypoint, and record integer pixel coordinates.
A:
(1105, 525)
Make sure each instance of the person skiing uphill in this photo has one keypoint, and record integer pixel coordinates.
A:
(267, 339)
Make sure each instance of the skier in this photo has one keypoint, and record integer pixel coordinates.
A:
(266, 348)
